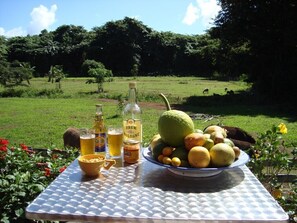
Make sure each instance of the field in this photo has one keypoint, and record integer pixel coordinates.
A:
(41, 121)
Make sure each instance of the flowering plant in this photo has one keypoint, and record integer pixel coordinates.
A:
(24, 173)
(270, 159)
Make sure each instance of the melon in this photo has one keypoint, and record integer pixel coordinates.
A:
(174, 125)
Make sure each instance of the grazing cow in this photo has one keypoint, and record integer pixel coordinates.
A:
(226, 89)
(230, 92)
(206, 91)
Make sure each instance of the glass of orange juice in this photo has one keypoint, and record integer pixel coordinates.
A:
(115, 141)
(87, 141)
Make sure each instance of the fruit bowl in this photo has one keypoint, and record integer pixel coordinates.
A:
(196, 172)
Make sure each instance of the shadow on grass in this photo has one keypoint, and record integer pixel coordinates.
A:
(240, 103)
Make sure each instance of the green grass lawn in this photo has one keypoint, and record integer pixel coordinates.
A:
(41, 122)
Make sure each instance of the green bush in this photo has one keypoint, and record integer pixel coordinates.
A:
(270, 157)
(88, 65)
(30, 92)
(19, 185)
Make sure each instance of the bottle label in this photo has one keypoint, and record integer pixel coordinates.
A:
(100, 142)
(132, 129)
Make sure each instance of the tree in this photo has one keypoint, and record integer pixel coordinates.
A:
(3, 48)
(73, 43)
(90, 64)
(119, 44)
(28, 71)
(4, 65)
(13, 74)
(46, 53)
(268, 29)
(5, 73)
(99, 74)
(57, 74)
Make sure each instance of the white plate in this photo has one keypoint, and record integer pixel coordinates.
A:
(196, 172)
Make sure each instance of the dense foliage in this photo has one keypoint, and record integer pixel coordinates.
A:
(252, 40)
(126, 47)
(270, 158)
(24, 173)
(258, 38)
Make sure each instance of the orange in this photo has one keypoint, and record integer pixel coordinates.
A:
(222, 155)
(199, 157)
(194, 139)
(167, 151)
(160, 158)
(175, 161)
(166, 160)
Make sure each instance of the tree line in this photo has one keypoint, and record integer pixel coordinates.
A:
(125, 46)
(252, 40)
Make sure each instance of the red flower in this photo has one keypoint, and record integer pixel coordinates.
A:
(47, 172)
(62, 169)
(3, 148)
(4, 142)
(24, 147)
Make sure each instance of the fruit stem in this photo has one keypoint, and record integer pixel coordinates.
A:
(166, 101)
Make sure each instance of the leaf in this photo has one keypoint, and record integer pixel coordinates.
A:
(10, 177)
(37, 187)
(4, 183)
(19, 212)
(5, 219)
(21, 194)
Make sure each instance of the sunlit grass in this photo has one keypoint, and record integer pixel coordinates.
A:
(41, 122)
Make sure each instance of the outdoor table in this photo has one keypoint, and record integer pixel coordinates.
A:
(146, 192)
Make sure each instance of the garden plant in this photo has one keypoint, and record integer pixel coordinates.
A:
(24, 173)
(270, 158)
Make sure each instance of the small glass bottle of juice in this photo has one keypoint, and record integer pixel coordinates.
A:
(100, 131)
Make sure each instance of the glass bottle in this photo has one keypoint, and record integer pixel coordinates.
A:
(132, 124)
(100, 131)
(132, 127)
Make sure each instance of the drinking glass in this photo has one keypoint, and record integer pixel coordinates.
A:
(87, 141)
(115, 141)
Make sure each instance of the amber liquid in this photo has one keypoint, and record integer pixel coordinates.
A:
(87, 144)
(100, 131)
(115, 142)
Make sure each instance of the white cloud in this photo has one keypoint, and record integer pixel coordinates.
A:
(19, 31)
(2, 32)
(191, 15)
(206, 11)
(42, 18)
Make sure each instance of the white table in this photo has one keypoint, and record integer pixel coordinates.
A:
(145, 192)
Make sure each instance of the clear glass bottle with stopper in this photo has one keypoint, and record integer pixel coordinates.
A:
(132, 126)
(132, 123)
(100, 131)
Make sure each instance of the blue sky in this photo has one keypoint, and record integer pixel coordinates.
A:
(23, 17)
